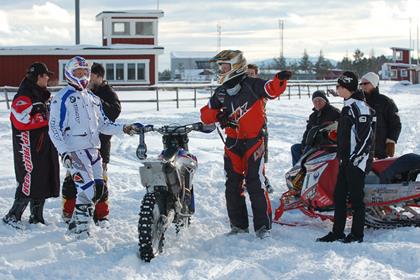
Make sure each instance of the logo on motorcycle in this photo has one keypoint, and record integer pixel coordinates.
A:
(316, 175)
(72, 99)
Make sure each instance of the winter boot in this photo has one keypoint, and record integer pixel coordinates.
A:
(263, 233)
(331, 237)
(82, 217)
(15, 213)
(234, 230)
(37, 207)
(350, 238)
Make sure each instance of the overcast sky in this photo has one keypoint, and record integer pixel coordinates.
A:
(335, 27)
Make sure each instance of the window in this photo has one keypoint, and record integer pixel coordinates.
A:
(120, 71)
(120, 28)
(144, 28)
(140, 71)
(398, 55)
(203, 64)
(404, 73)
(124, 71)
(109, 69)
(131, 71)
(393, 73)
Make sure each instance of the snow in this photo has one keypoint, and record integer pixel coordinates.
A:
(203, 251)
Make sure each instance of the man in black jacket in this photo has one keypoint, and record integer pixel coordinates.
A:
(35, 157)
(388, 124)
(323, 112)
(355, 135)
(112, 109)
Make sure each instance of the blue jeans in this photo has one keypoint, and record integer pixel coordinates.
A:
(296, 150)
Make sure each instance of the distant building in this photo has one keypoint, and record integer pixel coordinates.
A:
(192, 66)
(129, 51)
(399, 68)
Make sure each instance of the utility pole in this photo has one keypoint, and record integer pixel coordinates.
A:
(157, 4)
(219, 37)
(418, 63)
(77, 27)
(281, 28)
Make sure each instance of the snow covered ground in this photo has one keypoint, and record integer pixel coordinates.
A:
(204, 252)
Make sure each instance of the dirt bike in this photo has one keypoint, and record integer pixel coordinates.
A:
(392, 193)
(168, 180)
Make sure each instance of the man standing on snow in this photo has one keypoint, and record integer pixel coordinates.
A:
(76, 120)
(388, 124)
(355, 136)
(36, 159)
(238, 106)
(112, 108)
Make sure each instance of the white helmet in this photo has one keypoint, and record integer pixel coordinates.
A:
(77, 62)
(237, 61)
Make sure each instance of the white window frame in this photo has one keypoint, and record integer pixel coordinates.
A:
(404, 73)
(132, 24)
(393, 74)
(119, 33)
(125, 81)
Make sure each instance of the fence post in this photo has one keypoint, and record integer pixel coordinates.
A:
(6, 96)
(289, 90)
(157, 99)
(177, 99)
(299, 90)
(195, 98)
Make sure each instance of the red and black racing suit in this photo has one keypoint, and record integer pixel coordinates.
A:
(244, 147)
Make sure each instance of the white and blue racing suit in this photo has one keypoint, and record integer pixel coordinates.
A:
(76, 119)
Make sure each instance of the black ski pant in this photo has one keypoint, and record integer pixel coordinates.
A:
(245, 161)
(350, 185)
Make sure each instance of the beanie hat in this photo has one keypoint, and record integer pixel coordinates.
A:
(348, 80)
(320, 93)
(372, 77)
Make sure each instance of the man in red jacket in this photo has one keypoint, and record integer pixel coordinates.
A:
(238, 106)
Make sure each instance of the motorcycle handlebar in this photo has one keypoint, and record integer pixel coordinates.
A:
(174, 129)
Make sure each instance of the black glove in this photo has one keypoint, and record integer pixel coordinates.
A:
(223, 119)
(284, 75)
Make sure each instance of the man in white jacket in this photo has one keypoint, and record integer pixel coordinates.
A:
(75, 122)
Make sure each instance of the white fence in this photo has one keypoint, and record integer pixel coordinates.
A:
(195, 92)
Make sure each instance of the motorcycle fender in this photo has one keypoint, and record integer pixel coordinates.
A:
(151, 174)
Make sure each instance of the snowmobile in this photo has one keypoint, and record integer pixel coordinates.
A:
(168, 180)
(392, 192)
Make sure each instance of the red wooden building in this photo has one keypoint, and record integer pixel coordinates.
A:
(129, 51)
(399, 68)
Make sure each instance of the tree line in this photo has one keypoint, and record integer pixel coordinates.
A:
(358, 63)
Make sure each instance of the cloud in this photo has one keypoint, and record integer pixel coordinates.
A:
(50, 12)
(4, 22)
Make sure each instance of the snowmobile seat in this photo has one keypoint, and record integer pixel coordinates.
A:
(381, 165)
(404, 169)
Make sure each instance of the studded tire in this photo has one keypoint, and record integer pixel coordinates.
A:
(150, 226)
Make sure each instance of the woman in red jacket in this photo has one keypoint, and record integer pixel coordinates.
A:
(35, 157)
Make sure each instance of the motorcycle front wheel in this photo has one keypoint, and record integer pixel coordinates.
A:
(151, 225)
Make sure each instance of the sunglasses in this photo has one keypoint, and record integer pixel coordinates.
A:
(363, 84)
